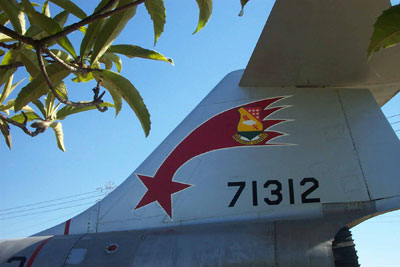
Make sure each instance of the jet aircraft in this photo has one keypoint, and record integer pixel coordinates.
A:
(272, 168)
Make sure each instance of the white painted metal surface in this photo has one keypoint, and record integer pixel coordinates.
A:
(323, 43)
(318, 143)
(265, 173)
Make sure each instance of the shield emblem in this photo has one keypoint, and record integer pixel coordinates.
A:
(250, 128)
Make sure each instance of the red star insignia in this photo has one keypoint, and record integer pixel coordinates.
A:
(160, 190)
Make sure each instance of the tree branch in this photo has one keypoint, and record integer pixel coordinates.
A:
(60, 61)
(22, 126)
(11, 66)
(96, 92)
(17, 36)
(64, 64)
(9, 46)
(90, 19)
(96, 101)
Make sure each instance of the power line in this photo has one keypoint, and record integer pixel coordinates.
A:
(42, 223)
(393, 116)
(52, 205)
(394, 122)
(384, 222)
(7, 218)
(52, 200)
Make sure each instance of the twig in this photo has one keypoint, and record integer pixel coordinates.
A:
(9, 46)
(64, 64)
(17, 36)
(60, 61)
(22, 126)
(11, 66)
(25, 118)
(96, 92)
(70, 28)
(95, 16)
(96, 102)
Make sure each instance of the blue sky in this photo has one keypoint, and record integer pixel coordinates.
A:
(101, 148)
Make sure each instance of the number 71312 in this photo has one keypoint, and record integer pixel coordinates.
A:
(275, 189)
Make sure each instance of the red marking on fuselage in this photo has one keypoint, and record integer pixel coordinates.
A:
(214, 134)
(35, 253)
(66, 228)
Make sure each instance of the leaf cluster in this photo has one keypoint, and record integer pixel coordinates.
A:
(35, 40)
(386, 30)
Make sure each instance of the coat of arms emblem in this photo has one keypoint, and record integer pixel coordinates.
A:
(250, 128)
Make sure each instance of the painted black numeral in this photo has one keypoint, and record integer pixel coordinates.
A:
(275, 192)
(291, 191)
(240, 190)
(315, 185)
(254, 189)
(21, 260)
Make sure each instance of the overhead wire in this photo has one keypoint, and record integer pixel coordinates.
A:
(34, 213)
(52, 200)
(31, 227)
(52, 205)
(392, 116)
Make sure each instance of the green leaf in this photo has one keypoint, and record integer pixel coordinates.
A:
(84, 78)
(386, 30)
(9, 58)
(156, 10)
(205, 10)
(1, 52)
(49, 25)
(9, 91)
(130, 95)
(6, 89)
(46, 9)
(34, 31)
(111, 29)
(38, 33)
(137, 51)
(70, 7)
(93, 31)
(114, 58)
(57, 127)
(3, 19)
(116, 96)
(61, 89)
(5, 75)
(29, 59)
(40, 106)
(10, 8)
(29, 114)
(61, 18)
(90, 36)
(49, 103)
(7, 106)
(62, 55)
(4, 128)
(69, 110)
(82, 29)
(106, 61)
(243, 3)
(38, 87)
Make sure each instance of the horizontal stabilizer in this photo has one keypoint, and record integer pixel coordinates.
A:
(324, 43)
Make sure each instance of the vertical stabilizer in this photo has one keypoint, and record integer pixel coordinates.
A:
(301, 137)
